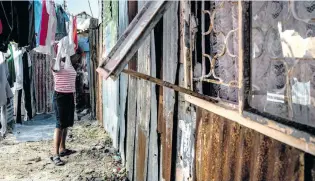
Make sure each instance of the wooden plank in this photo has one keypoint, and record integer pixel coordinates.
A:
(93, 36)
(170, 62)
(143, 109)
(153, 162)
(133, 38)
(132, 102)
(185, 135)
(307, 143)
(123, 84)
(168, 85)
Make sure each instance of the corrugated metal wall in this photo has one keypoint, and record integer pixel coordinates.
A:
(110, 88)
(227, 151)
(166, 138)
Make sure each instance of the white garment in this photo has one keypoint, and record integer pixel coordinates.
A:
(65, 50)
(18, 66)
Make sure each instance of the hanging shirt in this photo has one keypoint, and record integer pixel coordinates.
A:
(62, 18)
(64, 80)
(4, 85)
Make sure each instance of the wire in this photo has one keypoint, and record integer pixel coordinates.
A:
(90, 8)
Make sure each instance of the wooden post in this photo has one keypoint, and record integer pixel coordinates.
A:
(93, 36)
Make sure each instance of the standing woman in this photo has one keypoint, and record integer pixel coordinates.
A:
(64, 85)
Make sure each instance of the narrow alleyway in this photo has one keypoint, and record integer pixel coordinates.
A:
(95, 158)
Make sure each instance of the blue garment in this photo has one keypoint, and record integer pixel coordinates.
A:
(84, 44)
(62, 18)
(38, 18)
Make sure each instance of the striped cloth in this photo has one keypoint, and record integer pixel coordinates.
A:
(65, 79)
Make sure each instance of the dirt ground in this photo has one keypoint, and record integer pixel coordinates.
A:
(95, 158)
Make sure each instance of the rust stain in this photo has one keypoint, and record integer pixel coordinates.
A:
(167, 148)
(141, 155)
(227, 151)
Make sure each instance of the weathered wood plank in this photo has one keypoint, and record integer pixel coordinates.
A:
(93, 36)
(185, 135)
(170, 62)
(153, 162)
(132, 104)
(123, 23)
(136, 35)
(168, 85)
(143, 109)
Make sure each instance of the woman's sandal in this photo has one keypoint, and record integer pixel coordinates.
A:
(57, 161)
(66, 152)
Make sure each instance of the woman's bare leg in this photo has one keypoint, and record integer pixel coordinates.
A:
(63, 139)
(57, 140)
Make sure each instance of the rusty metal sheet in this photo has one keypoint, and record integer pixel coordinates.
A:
(227, 151)
(170, 62)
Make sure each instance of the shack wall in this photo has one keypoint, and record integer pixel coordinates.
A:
(163, 137)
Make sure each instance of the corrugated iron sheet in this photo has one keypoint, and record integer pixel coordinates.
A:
(110, 87)
(227, 151)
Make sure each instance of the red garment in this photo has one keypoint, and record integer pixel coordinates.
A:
(44, 25)
(75, 35)
(0, 27)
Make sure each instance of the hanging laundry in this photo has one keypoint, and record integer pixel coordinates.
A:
(18, 64)
(10, 62)
(75, 35)
(27, 86)
(9, 24)
(38, 18)
(48, 27)
(0, 27)
(62, 18)
(5, 95)
(31, 30)
(4, 85)
(14, 17)
(22, 18)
